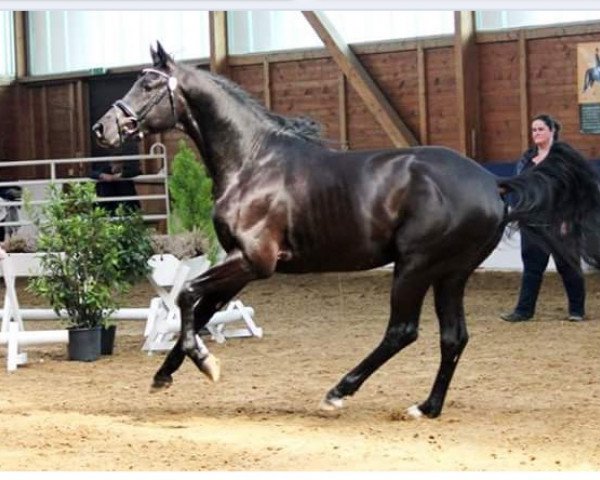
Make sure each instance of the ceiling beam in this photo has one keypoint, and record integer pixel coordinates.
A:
(20, 44)
(217, 21)
(467, 82)
(361, 81)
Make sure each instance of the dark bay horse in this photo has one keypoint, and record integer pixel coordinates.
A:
(285, 203)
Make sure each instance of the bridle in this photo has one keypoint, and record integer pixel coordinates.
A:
(138, 118)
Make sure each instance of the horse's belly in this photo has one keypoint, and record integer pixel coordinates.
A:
(339, 259)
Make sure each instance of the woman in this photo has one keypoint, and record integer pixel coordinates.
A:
(114, 180)
(544, 131)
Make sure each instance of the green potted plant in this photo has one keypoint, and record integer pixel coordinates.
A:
(90, 261)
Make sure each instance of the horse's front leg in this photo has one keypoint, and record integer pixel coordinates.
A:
(198, 302)
(205, 295)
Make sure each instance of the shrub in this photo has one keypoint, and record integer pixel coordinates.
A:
(191, 191)
(90, 260)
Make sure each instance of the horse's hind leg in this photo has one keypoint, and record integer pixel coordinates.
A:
(406, 302)
(449, 295)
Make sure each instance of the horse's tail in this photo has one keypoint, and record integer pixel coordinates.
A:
(559, 202)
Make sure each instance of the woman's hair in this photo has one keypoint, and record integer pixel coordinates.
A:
(550, 122)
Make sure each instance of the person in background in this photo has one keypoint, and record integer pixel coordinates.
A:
(544, 131)
(114, 180)
(9, 213)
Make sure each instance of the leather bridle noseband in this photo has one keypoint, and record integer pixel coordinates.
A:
(138, 118)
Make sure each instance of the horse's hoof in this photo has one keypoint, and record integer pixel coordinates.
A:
(161, 383)
(211, 367)
(414, 412)
(331, 404)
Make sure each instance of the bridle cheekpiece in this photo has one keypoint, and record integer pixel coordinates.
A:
(138, 118)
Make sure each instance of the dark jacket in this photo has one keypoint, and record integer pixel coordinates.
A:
(118, 188)
(526, 160)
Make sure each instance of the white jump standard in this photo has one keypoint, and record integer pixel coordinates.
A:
(162, 318)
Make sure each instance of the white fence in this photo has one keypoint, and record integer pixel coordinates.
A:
(37, 187)
(163, 318)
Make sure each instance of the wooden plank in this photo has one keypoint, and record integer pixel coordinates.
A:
(267, 82)
(361, 81)
(83, 121)
(523, 91)
(32, 154)
(20, 44)
(342, 112)
(45, 126)
(358, 49)
(512, 35)
(467, 89)
(72, 127)
(422, 94)
(11, 123)
(218, 42)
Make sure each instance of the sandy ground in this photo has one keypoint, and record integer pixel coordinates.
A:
(525, 396)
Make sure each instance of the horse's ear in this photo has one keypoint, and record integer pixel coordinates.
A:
(163, 59)
(154, 55)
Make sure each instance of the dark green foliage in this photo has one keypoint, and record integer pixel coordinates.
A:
(135, 245)
(90, 259)
(191, 191)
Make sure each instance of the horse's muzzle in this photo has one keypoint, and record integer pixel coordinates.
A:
(98, 131)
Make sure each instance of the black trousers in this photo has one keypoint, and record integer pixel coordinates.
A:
(535, 261)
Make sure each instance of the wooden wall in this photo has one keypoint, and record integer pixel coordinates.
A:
(7, 107)
(51, 120)
(552, 87)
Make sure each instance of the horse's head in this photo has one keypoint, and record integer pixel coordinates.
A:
(151, 105)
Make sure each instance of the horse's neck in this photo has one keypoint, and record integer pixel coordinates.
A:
(226, 134)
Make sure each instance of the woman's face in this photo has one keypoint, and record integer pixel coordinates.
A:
(541, 133)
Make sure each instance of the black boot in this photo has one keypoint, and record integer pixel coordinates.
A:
(514, 317)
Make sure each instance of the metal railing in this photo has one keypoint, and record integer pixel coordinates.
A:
(157, 152)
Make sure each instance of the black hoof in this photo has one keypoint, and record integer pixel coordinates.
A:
(429, 411)
(161, 383)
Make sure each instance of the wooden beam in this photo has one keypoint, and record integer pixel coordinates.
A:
(45, 125)
(19, 122)
(83, 117)
(512, 35)
(523, 91)
(72, 126)
(20, 45)
(361, 81)
(267, 82)
(422, 94)
(467, 82)
(390, 46)
(33, 151)
(218, 42)
(343, 112)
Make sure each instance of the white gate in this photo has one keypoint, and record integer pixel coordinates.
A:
(37, 187)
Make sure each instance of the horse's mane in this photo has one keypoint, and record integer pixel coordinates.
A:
(301, 127)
